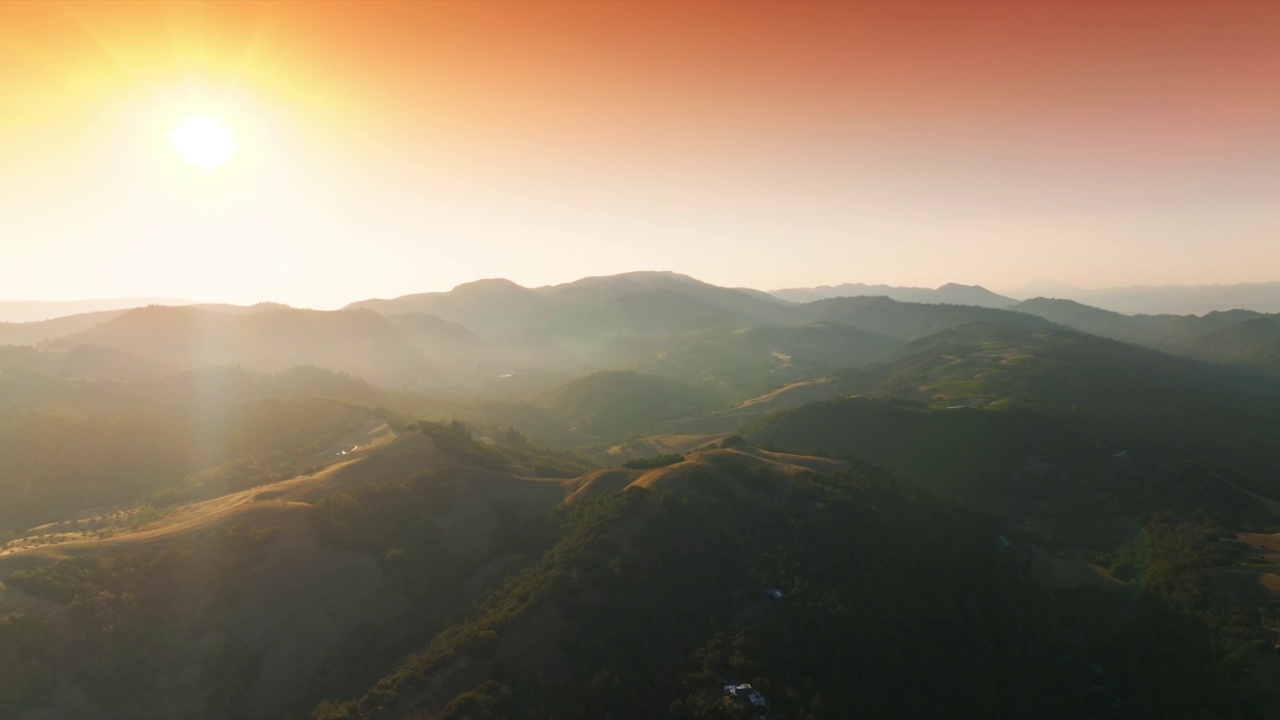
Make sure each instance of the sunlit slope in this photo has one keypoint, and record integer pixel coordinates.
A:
(68, 444)
(773, 469)
(274, 594)
(360, 343)
(651, 592)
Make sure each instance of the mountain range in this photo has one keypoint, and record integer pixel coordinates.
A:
(23, 311)
(950, 294)
(619, 496)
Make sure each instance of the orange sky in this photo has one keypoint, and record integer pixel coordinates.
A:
(388, 148)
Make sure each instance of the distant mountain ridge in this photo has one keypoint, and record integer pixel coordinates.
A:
(498, 306)
(949, 294)
(22, 311)
(1180, 299)
(514, 340)
(1131, 300)
(1235, 337)
(358, 342)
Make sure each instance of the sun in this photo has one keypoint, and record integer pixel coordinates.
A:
(203, 141)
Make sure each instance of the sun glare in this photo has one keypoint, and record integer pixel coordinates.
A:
(203, 141)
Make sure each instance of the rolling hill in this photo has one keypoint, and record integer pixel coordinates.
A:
(747, 362)
(971, 409)
(27, 311)
(609, 405)
(35, 332)
(1234, 337)
(249, 600)
(361, 343)
(490, 307)
(743, 541)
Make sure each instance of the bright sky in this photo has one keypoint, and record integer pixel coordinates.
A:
(382, 149)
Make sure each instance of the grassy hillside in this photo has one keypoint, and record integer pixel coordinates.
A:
(643, 603)
(261, 601)
(747, 362)
(68, 444)
(1054, 423)
(612, 404)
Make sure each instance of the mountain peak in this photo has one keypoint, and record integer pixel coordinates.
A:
(489, 284)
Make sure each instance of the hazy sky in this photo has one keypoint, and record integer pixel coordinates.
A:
(384, 149)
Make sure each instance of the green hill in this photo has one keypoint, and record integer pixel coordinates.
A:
(972, 409)
(643, 603)
(1236, 337)
(612, 404)
(68, 444)
(743, 363)
(1253, 342)
(263, 600)
(1138, 329)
